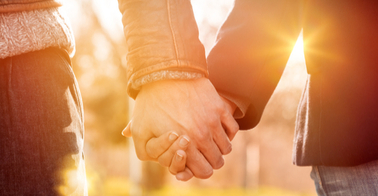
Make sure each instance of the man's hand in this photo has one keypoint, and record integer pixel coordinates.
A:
(188, 107)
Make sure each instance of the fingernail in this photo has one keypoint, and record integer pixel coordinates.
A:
(179, 177)
(179, 156)
(184, 142)
(173, 136)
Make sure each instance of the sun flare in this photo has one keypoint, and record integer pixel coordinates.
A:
(297, 53)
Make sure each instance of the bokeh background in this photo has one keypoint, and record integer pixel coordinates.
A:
(260, 163)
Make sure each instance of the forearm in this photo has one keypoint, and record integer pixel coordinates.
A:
(252, 48)
(161, 35)
(166, 75)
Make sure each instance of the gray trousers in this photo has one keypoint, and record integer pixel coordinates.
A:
(41, 126)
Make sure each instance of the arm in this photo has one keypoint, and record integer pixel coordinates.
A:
(162, 37)
(252, 48)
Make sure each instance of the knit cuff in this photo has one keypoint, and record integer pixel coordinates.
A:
(165, 75)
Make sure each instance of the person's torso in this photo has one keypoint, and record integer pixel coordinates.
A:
(339, 125)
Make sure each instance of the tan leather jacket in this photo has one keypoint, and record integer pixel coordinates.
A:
(157, 39)
(25, 5)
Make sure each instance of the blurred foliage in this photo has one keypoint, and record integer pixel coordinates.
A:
(121, 187)
(102, 78)
(262, 191)
(153, 176)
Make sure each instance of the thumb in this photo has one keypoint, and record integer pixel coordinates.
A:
(127, 132)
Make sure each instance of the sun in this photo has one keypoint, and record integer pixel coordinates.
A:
(297, 53)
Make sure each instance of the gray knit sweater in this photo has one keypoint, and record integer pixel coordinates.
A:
(27, 31)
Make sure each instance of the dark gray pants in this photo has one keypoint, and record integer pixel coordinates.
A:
(41, 126)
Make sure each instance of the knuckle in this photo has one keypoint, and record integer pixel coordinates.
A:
(227, 149)
(213, 121)
(235, 127)
(219, 163)
(219, 107)
(172, 171)
(202, 137)
(213, 126)
(205, 174)
(225, 112)
(164, 162)
(151, 153)
(143, 156)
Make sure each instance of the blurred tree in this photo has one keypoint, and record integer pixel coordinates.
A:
(101, 72)
(153, 176)
(102, 78)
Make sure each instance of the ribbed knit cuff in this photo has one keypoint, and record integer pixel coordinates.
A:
(27, 31)
(165, 75)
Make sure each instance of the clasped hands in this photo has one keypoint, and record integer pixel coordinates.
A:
(184, 125)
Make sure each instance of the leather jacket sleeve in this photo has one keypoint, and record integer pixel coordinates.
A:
(161, 35)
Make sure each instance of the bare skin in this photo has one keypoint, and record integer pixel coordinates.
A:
(192, 109)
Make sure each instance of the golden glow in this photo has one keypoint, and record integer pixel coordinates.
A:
(73, 178)
(297, 53)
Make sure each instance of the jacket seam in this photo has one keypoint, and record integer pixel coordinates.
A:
(173, 33)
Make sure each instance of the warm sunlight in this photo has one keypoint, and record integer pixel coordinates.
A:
(297, 53)
(112, 167)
